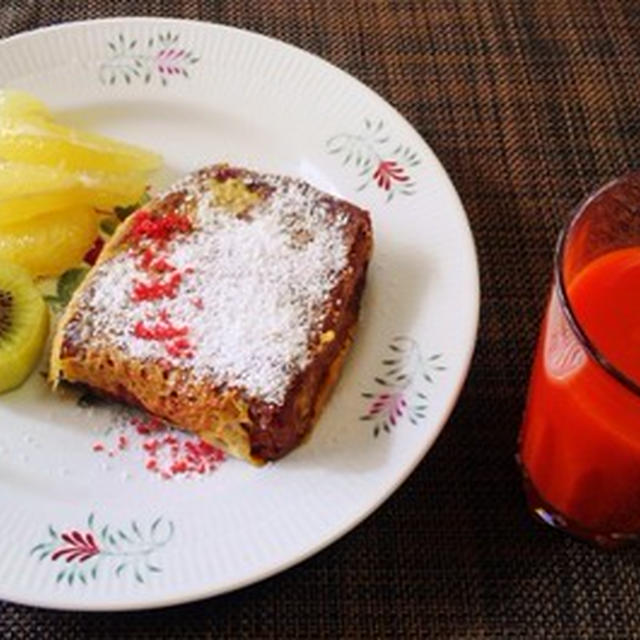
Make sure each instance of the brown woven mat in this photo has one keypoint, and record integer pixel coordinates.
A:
(529, 104)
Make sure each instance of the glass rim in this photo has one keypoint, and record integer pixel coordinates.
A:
(565, 304)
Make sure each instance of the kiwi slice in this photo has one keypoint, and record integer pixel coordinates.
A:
(24, 325)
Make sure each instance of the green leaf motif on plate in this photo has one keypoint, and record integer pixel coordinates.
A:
(85, 551)
(160, 58)
(376, 160)
(406, 378)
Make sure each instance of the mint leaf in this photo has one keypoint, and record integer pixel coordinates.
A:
(108, 226)
(54, 301)
(124, 212)
(69, 281)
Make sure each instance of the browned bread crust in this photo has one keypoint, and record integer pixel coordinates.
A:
(230, 409)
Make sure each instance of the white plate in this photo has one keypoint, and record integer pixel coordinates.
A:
(201, 93)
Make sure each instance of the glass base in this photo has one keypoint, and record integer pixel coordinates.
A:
(544, 512)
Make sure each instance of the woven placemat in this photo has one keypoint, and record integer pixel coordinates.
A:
(529, 104)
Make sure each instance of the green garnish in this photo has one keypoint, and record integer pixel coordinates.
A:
(108, 226)
(124, 212)
(68, 282)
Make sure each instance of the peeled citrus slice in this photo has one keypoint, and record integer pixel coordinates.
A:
(40, 141)
(24, 324)
(51, 244)
(19, 179)
(106, 191)
(19, 104)
(29, 190)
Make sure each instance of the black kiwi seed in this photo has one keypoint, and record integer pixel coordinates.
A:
(6, 306)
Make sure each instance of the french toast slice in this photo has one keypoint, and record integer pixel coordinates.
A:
(225, 306)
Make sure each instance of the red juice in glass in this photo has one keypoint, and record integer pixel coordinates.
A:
(580, 438)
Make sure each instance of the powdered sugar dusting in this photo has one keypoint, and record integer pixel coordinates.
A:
(252, 289)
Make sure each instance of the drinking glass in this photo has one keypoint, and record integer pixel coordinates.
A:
(579, 446)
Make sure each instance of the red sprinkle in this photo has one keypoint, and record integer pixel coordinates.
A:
(162, 266)
(179, 348)
(157, 289)
(150, 262)
(165, 280)
(168, 454)
(157, 228)
(146, 426)
(147, 258)
(164, 331)
(179, 466)
(160, 331)
(150, 445)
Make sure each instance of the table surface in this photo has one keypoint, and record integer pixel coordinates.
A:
(529, 104)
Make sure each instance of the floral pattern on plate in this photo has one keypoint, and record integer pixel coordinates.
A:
(377, 159)
(161, 57)
(86, 552)
(405, 380)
